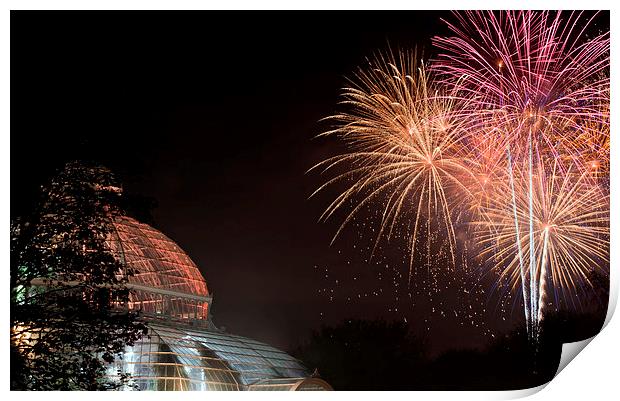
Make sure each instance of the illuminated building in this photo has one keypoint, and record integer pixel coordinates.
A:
(184, 350)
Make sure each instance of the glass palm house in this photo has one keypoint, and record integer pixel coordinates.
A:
(184, 350)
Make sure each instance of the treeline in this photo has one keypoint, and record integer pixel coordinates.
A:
(381, 355)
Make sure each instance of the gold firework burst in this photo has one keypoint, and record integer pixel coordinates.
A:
(405, 150)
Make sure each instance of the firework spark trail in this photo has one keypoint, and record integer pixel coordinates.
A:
(527, 302)
(524, 288)
(543, 275)
(533, 267)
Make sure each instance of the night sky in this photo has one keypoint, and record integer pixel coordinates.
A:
(213, 114)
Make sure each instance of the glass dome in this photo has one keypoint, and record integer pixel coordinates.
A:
(166, 283)
(183, 349)
(179, 358)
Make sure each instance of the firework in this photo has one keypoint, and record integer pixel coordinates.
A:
(539, 87)
(509, 131)
(405, 151)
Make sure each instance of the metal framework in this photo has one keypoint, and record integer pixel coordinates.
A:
(166, 282)
(177, 358)
(291, 384)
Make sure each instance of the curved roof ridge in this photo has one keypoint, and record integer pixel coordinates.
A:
(158, 261)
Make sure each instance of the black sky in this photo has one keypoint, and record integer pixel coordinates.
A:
(213, 115)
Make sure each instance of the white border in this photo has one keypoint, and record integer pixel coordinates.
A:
(592, 375)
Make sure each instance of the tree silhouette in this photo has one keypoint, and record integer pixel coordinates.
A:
(69, 314)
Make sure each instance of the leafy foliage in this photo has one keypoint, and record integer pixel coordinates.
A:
(69, 314)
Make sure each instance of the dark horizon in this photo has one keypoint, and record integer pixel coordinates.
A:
(213, 115)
